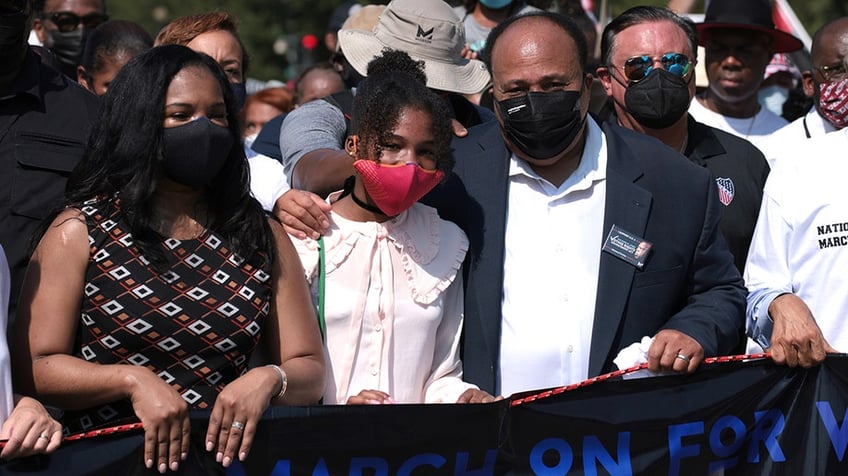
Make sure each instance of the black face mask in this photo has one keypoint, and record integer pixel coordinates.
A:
(13, 44)
(239, 95)
(68, 48)
(659, 100)
(542, 125)
(194, 153)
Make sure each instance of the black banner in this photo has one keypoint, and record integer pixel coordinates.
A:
(748, 418)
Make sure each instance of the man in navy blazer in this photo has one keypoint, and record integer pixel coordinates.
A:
(686, 293)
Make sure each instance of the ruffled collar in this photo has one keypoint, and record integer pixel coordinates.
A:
(431, 250)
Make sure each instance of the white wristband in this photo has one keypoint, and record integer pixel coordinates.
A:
(284, 381)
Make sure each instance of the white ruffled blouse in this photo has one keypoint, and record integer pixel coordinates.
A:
(393, 306)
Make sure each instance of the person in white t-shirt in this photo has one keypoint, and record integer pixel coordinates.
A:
(795, 271)
(739, 40)
(827, 83)
(25, 426)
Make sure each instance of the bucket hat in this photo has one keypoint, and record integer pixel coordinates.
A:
(427, 30)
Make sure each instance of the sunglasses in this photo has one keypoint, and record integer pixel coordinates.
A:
(637, 68)
(67, 22)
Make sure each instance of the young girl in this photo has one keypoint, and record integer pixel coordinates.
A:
(386, 273)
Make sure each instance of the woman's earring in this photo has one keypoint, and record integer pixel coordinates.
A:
(353, 146)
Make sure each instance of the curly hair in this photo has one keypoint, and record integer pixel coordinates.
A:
(124, 156)
(381, 99)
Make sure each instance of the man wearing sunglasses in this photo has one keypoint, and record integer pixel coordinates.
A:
(63, 27)
(44, 118)
(827, 83)
(739, 39)
(648, 72)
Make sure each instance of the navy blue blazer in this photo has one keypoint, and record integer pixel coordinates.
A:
(689, 282)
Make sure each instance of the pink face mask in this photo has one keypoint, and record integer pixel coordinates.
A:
(833, 102)
(394, 188)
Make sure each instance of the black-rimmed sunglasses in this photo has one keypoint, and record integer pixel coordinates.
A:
(68, 21)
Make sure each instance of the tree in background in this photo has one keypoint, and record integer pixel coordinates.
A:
(272, 30)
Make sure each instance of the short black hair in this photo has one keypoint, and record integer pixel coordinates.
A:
(114, 38)
(645, 14)
(124, 156)
(563, 22)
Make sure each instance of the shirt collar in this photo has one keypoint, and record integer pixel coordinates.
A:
(592, 167)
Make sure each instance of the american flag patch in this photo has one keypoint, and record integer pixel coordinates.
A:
(726, 190)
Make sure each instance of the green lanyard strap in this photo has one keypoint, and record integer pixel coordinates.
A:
(322, 277)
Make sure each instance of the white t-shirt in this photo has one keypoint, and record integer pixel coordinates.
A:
(754, 129)
(791, 141)
(800, 244)
(268, 181)
(6, 398)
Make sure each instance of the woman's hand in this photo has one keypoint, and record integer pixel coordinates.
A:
(473, 395)
(164, 414)
(370, 397)
(29, 430)
(238, 408)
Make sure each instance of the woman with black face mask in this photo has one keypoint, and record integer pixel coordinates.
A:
(148, 294)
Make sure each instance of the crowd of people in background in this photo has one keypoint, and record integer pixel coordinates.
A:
(464, 202)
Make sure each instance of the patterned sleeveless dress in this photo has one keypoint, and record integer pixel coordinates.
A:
(194, 325)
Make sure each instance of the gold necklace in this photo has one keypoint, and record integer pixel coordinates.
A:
(161, 227)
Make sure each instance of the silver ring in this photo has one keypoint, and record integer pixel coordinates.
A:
(45, 437)
(683, 358)
(238, 425)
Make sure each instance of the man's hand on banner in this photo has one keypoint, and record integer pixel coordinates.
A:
(674, 351)
(796, 338)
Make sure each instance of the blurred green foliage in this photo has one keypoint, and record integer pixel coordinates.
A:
(266, 23)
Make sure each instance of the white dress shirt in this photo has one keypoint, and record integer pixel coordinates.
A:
(393, 306)
(553, 243)
(800, 244)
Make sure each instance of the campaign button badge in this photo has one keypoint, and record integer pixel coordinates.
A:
(627, 246)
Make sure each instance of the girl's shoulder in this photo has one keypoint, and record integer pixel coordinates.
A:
(425, 235)
(433, 252)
